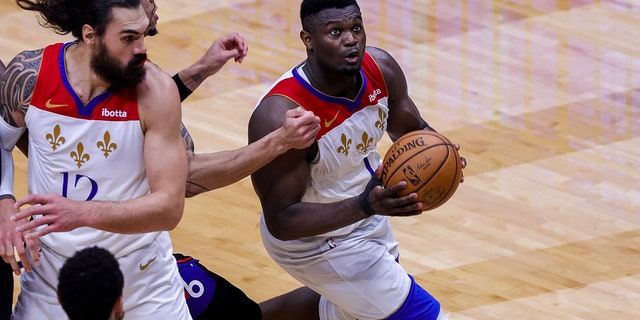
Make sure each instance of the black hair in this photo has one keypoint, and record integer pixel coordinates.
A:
(89, 284)
(311, 7)
(68, 16)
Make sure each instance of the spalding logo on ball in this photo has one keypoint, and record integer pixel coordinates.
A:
(428, 162)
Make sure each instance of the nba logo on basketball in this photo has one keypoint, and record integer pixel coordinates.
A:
(428, 162)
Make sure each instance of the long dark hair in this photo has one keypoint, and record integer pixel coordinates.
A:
(68, 16)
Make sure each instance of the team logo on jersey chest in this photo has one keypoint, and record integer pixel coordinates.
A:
(81, 156)
(54, 138)
(106, 146)
(363, 147)
(366, 139)
(346, 145)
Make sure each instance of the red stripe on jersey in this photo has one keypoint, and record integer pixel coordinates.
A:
(53, 93)
(333, 110)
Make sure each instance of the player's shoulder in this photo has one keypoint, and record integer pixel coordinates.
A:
(155, 78)
(268, 114)
(158, 98)
(157, 84)
(31, 54)
(388, 65)
(20, 72)
(270, 111)
(381, 56)
(26, 61)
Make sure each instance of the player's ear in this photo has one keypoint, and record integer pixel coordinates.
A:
(88, 34)
(118, 309)
(306, 39)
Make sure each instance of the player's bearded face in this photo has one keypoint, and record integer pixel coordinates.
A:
(112, 71)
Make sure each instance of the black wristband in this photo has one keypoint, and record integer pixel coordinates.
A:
(364, 196)
(182, 88)
(7, 196)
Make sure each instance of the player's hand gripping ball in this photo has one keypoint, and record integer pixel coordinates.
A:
(428, 162)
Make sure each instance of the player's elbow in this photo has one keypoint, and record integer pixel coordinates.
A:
(279, 231)
(173, 214)
(282, 236)
(171, 223)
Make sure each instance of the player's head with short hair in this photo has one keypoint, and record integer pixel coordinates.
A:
(69, 16)
(310, 8)
(90, 285)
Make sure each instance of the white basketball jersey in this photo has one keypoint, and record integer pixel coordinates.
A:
(85, 152)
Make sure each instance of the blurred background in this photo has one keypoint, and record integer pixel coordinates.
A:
(543, 96)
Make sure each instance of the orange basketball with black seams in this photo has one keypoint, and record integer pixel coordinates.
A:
(428, 162)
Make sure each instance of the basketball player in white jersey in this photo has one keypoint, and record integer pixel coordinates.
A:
(104, 143)
(325, 216)
(218, 169)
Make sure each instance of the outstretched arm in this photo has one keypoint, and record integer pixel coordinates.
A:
(215, 170)
(224, 48)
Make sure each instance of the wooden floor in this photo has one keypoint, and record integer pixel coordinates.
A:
(543, 96)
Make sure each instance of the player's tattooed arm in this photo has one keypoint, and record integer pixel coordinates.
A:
(188, 141)
(192, 188)
(17, 85)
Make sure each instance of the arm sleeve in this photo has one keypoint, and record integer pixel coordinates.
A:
(6, 174)
(9, 136)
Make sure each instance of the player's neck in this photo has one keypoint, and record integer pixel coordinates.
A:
(83, 80)
(336, 85)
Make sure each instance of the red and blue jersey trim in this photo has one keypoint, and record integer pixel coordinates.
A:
(53, 92)
(334, 110)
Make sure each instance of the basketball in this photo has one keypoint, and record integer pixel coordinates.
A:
(428, 162)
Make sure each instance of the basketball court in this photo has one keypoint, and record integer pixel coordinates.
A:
(542, 95)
